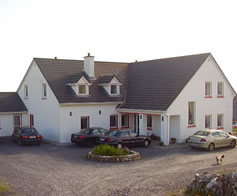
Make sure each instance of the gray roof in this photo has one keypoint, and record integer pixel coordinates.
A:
(154, 85)
(59, 72)
(148, 85)
(11, 102)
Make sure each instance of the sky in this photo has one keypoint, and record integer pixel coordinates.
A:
(114, 30)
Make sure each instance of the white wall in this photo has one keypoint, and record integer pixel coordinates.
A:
(194, 91)
(71, 124)
(7, 123)
(175, 127)
(46, 111)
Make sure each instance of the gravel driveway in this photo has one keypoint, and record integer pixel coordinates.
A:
(63, 170)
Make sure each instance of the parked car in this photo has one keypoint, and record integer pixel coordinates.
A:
(88, 136)
(26, 135)
(211, 139)
(122, 138)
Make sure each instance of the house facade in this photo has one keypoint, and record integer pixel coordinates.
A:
(170, 98)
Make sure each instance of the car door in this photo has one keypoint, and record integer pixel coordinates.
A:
(133, 138)
(217, 139)
(225, 139)
(125, 138)
(94, 135)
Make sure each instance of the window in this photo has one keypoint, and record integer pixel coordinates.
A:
(96, 132)
(220, 121)
(82, 89)
(31, 120)
(149, 122)
(215, 134)
(84, 122)
(17, 122)
(114, 90)
(191, 113)
(114, 121)
(132, 133)
(208, 89)
(124, 134)
(223, 134)
(220, 89)
(125, 120)
(208, 121)
(44, 90)
(26, 91)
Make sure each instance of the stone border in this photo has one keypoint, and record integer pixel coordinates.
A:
(124, 158)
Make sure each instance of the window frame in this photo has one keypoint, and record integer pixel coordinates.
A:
(44, 91)
(26, 92)
(125, 125)
(86, 93)
(208, 116)
(193, 120)
(149, 126)
(116, 121)
(220, 126)
(222, 89)
(208, 87)
(88, 122)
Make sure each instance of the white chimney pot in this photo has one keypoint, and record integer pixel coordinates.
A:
(89, 65)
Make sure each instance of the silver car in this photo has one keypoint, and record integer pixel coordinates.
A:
(211, 139)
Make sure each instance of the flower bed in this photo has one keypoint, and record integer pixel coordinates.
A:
(132, 156)
(107, 153)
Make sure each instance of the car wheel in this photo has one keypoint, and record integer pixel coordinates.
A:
(233, 143)
(119, 146)
(211, 147)
(146, 143)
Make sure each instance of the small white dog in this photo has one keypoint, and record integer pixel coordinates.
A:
(219, 159)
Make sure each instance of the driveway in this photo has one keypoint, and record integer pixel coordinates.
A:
(63, 170)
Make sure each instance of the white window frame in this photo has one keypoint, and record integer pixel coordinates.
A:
(44, 90)
(208, 89)
(86, 89)
(210, 121)
(26, 91)
(222, 89)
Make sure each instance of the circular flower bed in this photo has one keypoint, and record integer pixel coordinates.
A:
(106, 153)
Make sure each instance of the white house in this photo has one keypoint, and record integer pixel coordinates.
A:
(170, 98)
(13, 113)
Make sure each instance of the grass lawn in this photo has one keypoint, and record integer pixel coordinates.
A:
(234, 130)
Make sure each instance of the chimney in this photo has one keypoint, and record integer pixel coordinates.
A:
(89, 65)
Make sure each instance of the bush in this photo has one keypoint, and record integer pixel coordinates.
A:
(107, 150)
(4, 188)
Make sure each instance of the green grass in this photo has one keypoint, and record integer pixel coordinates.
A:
(234, 130)
(107, 150)
(4, 189)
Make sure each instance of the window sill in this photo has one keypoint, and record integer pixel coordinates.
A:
(191, 126)
(113, 128)
(220, 96)
(208, 97)
(149, 128)
(220, 128)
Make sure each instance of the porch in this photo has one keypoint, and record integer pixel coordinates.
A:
(153, 123)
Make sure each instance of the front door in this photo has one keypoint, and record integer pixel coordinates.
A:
(17, 122)
(136, 123)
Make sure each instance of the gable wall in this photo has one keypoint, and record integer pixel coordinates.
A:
(195, 91)
(45, 111)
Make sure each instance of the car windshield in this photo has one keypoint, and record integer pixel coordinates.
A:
(202, 133)
(112, 133)
(29, 131)
(85, 132)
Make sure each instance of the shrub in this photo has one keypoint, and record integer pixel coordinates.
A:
(107, 150)
(4, 188)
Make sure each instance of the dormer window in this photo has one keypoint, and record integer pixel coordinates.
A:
(110, 84)
(114, 90)
(82, 89)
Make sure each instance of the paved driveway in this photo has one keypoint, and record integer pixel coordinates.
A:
(63, 170)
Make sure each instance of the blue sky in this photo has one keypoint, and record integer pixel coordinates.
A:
(125, 31)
